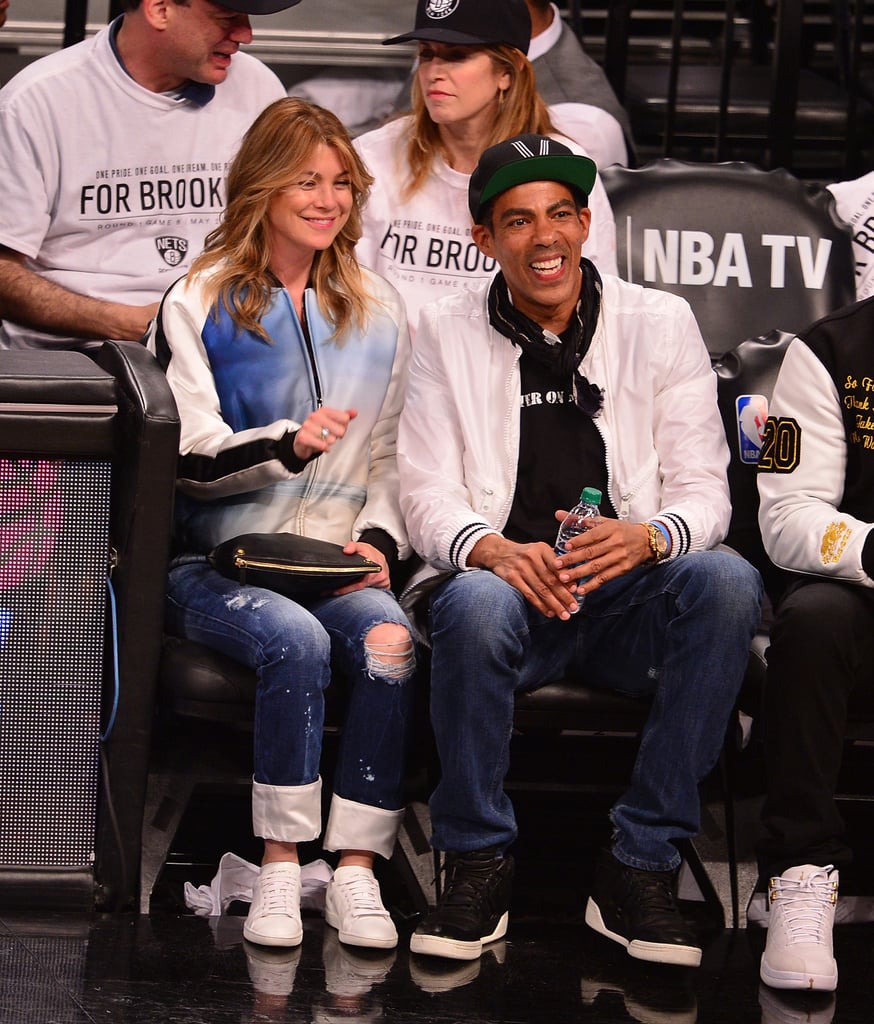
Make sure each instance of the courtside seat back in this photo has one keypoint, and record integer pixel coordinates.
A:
(745, 382)
(751, 250)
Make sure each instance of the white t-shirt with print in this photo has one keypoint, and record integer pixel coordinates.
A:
(108, 189)
(855, 204)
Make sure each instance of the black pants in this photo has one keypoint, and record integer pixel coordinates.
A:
(822, 649)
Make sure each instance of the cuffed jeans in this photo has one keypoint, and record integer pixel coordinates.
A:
(678, 633)
(822, 649)
(293, 647)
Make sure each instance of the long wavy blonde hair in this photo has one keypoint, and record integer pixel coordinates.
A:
(520, 110)
(273, 153)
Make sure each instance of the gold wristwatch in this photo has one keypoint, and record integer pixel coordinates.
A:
(658, 543)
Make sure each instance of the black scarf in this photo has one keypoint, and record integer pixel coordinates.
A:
(565, 358)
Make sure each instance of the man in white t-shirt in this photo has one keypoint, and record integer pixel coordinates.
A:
(855, 204)
(113, 154)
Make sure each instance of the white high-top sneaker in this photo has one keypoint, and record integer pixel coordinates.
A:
(798, 952)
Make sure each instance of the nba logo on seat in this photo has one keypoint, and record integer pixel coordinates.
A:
(752, 414)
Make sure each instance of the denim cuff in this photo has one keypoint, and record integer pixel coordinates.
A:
(354, 826)
(630, 861)
(288, 814)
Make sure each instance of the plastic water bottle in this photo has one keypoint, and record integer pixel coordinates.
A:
(575, 522)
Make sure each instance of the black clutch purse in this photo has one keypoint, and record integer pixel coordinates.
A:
(288, 563)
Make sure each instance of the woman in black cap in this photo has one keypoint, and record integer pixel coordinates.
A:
(473, 87)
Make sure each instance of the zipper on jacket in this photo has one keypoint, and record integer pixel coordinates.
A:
(312, 466)
(308, 341)
(624, 499)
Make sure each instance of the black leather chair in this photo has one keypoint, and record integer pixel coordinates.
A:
(750, 250)
(147, 432)
(203, 744)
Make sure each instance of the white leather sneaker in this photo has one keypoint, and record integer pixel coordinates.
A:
(798, 951)
(274, 917)
(353, 905)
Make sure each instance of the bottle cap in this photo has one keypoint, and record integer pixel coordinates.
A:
(591, 496)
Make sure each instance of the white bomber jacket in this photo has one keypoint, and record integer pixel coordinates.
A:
(458, 437)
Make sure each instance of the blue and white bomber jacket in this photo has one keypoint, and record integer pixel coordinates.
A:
(239, 395)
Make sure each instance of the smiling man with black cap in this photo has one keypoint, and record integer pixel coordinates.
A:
(523, 390)
(114, 152)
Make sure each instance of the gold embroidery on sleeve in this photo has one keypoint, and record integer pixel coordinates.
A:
(834, 540)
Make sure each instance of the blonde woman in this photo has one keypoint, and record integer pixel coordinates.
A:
(288, 364)
(473, 87)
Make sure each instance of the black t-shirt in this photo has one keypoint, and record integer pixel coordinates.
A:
(561, 451)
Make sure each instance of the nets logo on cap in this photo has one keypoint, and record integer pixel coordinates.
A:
(438, 9)
(470, 23)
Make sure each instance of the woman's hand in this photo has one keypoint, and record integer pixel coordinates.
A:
(372, 579)
(321, 430)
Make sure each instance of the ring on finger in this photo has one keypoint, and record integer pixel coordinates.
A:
(325, 433)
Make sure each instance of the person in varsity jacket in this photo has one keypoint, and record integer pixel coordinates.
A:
(816, 485)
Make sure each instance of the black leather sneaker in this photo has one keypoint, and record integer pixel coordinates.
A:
(473, 908)
(637, 909)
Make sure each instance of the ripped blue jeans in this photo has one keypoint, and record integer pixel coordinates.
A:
(294, 647)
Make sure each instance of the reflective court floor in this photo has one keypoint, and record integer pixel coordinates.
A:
(173, 967)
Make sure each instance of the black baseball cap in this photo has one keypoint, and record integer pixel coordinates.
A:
(257, 6)
(526, 158)
(471, 23)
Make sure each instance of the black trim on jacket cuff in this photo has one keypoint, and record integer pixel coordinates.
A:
(286, 454)
(384, 543)
(868, 553)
